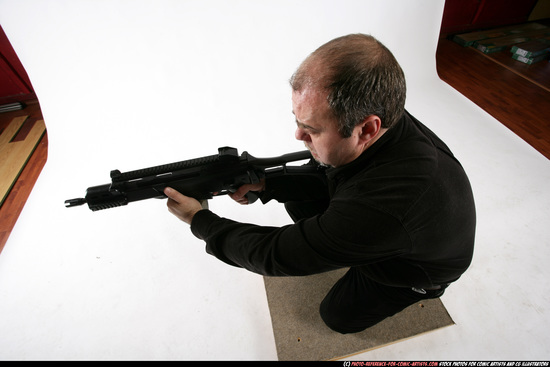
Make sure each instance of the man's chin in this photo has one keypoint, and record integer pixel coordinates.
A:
(318, 160)
(315, 156)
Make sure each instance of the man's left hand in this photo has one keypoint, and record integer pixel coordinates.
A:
(182, 206)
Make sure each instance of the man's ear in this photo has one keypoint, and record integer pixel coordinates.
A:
(369, 128)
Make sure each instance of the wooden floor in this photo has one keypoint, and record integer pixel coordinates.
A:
(517, 95)
(12, 206)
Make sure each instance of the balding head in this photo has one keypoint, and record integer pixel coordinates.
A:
(360, 77)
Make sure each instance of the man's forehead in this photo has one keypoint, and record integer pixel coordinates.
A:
(310, 95)
(310, 106)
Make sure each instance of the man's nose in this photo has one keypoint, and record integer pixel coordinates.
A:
(301, 135)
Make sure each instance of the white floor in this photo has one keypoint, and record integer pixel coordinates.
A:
(126, 85)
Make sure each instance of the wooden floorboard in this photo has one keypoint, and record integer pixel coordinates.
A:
(516, 95)
(16, 199)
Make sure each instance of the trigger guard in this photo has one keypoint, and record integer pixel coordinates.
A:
(252, 197)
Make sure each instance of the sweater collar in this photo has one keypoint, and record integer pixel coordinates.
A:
(365, 158)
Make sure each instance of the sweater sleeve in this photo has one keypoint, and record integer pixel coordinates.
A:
(270, 251)
(310, 246)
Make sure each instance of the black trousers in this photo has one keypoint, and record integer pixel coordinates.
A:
(356, 302)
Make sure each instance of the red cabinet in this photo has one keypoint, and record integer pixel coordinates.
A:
(466, 15)
(15, 85)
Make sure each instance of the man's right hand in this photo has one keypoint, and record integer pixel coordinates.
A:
(239, 195)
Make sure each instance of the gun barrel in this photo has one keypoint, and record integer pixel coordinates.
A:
(74, 202)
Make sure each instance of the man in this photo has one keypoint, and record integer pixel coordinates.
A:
(397, 207)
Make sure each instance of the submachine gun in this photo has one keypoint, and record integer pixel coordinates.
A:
(200, 178)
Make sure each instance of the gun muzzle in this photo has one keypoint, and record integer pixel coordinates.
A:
(74, 202)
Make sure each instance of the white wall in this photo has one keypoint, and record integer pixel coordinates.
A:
(129, 84)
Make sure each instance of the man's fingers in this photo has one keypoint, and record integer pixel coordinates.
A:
(182, 206)
(173, 194)
(240, 193)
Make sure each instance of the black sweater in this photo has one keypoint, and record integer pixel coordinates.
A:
(403, 212)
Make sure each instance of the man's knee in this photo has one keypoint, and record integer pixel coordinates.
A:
(345, 322)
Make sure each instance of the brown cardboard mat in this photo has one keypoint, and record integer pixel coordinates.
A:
(301, 335)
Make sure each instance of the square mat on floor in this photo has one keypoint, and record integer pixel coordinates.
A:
(301, 335)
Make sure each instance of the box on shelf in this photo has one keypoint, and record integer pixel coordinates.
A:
(502, 43)
(468, 39)
(532, 48)
(529, 60)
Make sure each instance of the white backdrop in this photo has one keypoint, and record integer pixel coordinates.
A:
(130, 84)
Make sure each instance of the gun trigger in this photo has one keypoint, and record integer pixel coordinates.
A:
(252, 197)
(253, 176)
